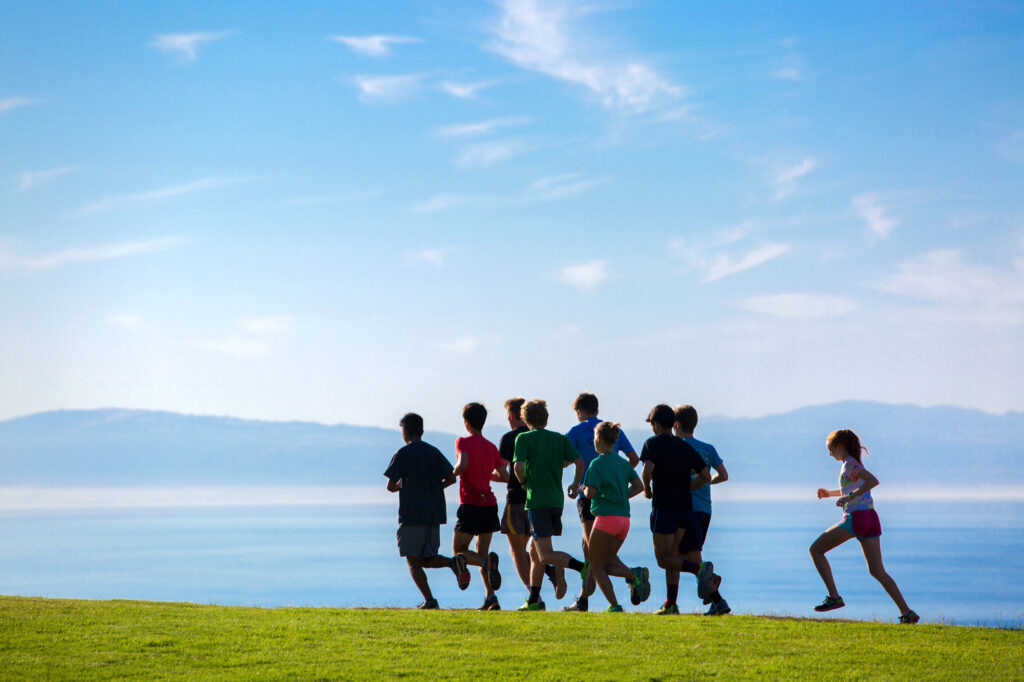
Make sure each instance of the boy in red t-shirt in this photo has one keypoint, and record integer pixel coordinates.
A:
(477, 464)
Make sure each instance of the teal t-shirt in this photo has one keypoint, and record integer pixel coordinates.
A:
(702, 495)
(611, 475)
(543, 454)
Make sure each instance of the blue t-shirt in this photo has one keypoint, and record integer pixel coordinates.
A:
(582, 438)
(702, 495)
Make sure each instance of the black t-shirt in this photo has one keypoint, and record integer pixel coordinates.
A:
(673, 460)
(516, 492)
(422, 469)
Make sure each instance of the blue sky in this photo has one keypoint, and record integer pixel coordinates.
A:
(343, 211)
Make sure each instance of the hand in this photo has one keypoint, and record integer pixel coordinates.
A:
(572, 491)
(822, 493)
(841, 502)
(648, 494)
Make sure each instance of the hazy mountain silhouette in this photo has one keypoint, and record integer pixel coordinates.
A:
(113, 447)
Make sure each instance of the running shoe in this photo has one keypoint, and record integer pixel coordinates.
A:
(429, 605)
(614, 608)
(460, 570)
(909, 618)
(830, 604)
(492, 571)
(589, 584)
(716, 582)
(535, 606)
(705, 581)
(667, 610)
(490, 604)
(640, 585)
(581, 604)
(560, 584)
(719, 609)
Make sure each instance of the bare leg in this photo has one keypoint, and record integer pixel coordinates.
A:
(548, 555)
(588, 529)
(604, 549)
(483, 546)
(827, 541)
(520, 556)
(419, 576)
(460, 545)
(536, 565)
(873, 553)
(666, 551)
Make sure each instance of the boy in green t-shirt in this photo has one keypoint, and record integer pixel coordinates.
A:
(540, 455)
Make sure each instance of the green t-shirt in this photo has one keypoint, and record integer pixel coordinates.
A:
(611, 475)
(543, 454)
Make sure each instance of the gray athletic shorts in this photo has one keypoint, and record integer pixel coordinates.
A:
(419, 541)
(515, 520)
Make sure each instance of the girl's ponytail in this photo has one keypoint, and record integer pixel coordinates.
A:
(848, 440)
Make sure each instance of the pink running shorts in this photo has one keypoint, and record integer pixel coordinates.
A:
(617, 526)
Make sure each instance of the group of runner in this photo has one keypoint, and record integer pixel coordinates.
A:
(676, 476)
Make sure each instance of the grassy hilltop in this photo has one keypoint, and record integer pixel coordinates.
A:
(80, 640)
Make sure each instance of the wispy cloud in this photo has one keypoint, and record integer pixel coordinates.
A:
(440, 202)
(785, 180)
(388, 89)
(431, 256)
(584, 276)
(186, 46)
(335, 198)
(12, 103)
(12, 263)
(872, 208)
(562, 186)
(552, 188)
(120, 200)
(483, 154)
(29, 180)
(465, 90)
(373, 45)
(129, 321)
(799, 305)
(719, 258)
(462, 344)
(789, 67)
(481, 128)
(539, 36)
(267, 325)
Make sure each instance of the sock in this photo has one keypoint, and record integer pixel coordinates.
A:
(673, 593)
(716, 597)
(690, 567)
(534, 595)
(576, 565)
(549, 571)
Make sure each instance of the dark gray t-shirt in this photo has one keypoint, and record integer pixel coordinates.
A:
(422, 469)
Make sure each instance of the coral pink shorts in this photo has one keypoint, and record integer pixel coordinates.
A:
(616, 526)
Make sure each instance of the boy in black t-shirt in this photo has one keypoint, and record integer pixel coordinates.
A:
(668, 462)
(419, 473)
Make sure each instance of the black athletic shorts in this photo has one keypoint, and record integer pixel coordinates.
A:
(694, 541)
(546, 522)
(668, 521)
(474, 520)
(583, 507)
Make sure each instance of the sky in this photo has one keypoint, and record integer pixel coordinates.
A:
(340, 212)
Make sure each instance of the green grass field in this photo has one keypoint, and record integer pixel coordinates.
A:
(81, 640)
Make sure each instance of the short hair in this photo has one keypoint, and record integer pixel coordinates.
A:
(663, 416)
(535, 413)
(585, 403)
(475, 415)
(607, 432)
(412, 424)
(686, 415)
(514, 405)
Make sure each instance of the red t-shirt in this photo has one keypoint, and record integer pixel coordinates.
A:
(481, 458)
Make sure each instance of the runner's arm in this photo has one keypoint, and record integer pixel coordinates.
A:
(448, 480)
(703, 478)
(636, 486)
(823, 493)
(633, 458)
(646, 475)
(721, 475)
(867, 481)
(574, 489)
(519, 468)
(589, 492)
(395, 485)
(460, 463)
(501, 473)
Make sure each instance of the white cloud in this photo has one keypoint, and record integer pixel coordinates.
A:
(785, 180)
(462, 344)
(336, 198)
(15, 264)
(439, 202)
(267, 325)
(872, 209)
(535, 35)
(12, 103)
(563, 186)
(374, 45)
(546, 189)
(435, 257)
(128, 321)
(29, 180)
(799, 306)
(388, 89)
(481, 128)
(483, 154)
(584, 276)
(203, 185)
(186, 45)
(465, 90)
(724, 265)
(715, 263)
(236, 347)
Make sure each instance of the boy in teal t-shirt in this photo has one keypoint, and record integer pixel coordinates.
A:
(540, 455)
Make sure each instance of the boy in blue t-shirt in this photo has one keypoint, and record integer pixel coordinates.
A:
(693, 543)
(582, 438)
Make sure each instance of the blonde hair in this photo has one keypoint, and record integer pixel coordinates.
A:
(608, 432)
(848, 441)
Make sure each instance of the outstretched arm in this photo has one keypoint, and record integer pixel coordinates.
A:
(823, 493)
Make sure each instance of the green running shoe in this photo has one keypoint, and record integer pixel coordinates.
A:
(705, 581)
(614, 608)
(667, 610)
(640, 586)
(829, 604)
(909, 618)
(535, 606)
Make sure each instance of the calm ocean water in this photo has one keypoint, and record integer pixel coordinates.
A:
(957, 564)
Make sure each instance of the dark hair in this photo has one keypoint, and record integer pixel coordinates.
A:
(535, 413)
(607, 432)
(475, 415)
(585, 403)
(412, 424)
(847, 440)
(686, 415)
(514, 405)
(663, 416)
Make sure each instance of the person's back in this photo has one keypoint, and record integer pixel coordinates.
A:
(422, 468)
(482, 459)
(673, 461)
(611, 476)
(544, 454)
(702, 495)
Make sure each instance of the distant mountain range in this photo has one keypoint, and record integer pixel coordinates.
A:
(113, 447)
